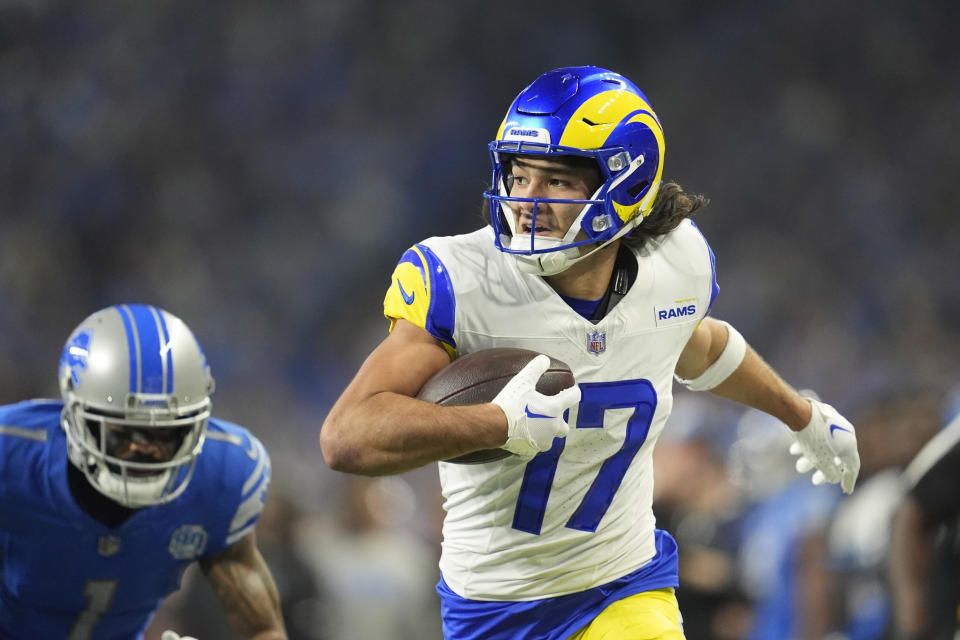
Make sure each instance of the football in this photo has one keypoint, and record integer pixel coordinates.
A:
(478, 377)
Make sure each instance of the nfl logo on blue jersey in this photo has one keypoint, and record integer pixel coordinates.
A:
(108, 545)
(596, 342)
(188, 542)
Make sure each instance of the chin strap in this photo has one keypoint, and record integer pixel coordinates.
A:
(546, 264)
(132, 492)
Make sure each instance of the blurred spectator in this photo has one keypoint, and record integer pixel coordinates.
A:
(697, 503)
(890, 430)
(782, 551)
(925, 554)
(379, 575)
(302, 599)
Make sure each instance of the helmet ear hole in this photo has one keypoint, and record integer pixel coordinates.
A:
(638, 188)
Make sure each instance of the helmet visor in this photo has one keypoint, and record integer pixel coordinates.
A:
(144, 449)
(148, 445)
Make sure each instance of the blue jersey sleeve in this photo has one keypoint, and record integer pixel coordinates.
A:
(235, 476)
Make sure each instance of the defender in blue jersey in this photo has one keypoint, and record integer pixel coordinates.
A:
(110, 493)
(590, 259)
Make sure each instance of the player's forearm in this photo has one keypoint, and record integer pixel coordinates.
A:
(249, 597)
(391, 433)
(755, 384)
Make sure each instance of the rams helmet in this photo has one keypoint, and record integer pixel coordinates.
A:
(136, 389)
(588, 112)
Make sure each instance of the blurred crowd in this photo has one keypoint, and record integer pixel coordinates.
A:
(765, 554)
(258, 168)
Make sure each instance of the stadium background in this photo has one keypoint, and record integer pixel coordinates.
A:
(258, 168)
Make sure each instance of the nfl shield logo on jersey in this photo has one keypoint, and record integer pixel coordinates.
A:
(108, 545)
(188, 542)
(596, 342)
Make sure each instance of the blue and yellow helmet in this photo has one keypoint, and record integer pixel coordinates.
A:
(588, 112)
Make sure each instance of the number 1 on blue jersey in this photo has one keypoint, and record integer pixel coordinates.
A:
(99, 595)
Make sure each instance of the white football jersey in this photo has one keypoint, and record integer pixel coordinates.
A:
(579, 515)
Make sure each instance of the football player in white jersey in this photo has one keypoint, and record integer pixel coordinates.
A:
(589, 259)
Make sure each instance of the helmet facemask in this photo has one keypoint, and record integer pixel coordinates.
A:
(599, 220)
(143, 458)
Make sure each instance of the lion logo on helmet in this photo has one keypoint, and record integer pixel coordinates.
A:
(75, 355)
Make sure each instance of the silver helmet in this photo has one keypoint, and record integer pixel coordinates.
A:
(136, 389)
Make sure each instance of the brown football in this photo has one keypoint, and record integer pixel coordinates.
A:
(478, 377)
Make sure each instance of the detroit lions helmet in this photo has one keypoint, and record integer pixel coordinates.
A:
(588, 112)
(133, 377)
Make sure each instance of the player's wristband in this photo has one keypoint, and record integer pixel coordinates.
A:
(727, 363)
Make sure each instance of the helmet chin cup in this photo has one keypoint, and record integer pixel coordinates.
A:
(546, 264)
(133, 492)
(552, 261)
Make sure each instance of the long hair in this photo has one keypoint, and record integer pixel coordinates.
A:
(672, 206)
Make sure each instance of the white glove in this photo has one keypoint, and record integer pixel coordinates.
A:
(534, 419)
(828, 444)
(173, 635)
